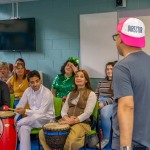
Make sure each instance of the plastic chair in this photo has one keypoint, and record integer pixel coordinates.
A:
(94, 126)
(12, 99)
(58, 106)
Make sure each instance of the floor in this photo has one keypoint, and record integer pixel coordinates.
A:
(34, 146)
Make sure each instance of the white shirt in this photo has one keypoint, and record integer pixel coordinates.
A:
(40, 102)
(91, 101)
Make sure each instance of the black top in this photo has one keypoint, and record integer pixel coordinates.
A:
(4, 95)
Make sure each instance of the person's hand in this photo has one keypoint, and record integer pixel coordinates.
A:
(101, 105)
(74, 68)
(63, 122)
(68, 120)
(20, 110)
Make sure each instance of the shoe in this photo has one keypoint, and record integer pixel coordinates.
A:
(97, 146)
(104, 143)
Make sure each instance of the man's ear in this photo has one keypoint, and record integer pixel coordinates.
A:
(119, 39)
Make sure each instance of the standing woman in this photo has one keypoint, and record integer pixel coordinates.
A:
(104, 95)
(63, 83)
(18, 83)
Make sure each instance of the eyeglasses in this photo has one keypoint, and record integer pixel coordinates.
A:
(114, 36)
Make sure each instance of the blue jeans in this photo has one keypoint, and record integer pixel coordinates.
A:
(15, 104)
(105, 121)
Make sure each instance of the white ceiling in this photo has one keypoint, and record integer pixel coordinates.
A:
(13, 1)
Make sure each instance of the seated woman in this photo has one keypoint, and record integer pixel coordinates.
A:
(18, 82)
(76, 112)
(4, 95)
(104, 95)
(4, 71)
(20, 60)
(63, 83)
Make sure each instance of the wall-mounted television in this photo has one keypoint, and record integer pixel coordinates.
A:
(17, 35)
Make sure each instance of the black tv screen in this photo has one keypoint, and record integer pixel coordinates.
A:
(17, 35)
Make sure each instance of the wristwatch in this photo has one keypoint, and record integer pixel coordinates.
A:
(125, 148)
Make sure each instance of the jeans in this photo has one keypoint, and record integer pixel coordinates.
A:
(15, 104)
(105, 121)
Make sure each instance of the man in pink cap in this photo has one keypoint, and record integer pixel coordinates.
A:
(131, 86)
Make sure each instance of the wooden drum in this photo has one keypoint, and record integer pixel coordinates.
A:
(55, 135)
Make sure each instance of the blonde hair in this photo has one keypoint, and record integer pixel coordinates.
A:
(4, 65)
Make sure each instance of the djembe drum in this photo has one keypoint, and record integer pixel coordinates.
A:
(55, 135)
(8, 133)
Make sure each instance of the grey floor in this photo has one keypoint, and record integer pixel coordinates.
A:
(34, 145)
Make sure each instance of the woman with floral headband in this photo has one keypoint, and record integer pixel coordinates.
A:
(63, 83)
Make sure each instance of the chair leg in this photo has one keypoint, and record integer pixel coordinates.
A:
(85, 141)
(18, 142)
(99, 135)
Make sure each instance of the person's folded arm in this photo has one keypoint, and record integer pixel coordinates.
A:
(125, 118)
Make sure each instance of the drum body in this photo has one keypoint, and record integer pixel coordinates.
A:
(8, 133)
(55, 135)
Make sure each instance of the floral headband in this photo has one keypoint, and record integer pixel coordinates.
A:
(73, 60)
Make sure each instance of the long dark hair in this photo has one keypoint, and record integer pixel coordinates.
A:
(111, 64)
(21, 60)
(62, 70)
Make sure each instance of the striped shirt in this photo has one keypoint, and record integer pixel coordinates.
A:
(104, 89)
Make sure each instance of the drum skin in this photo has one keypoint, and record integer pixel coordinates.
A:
(8, 133)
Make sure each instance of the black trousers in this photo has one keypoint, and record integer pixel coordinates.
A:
(139, 148)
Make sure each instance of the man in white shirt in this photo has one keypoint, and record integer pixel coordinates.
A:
(40, 100)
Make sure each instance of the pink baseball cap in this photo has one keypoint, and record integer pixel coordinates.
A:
(132, 31)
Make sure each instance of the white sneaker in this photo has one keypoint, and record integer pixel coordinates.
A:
(104, 143)
(97, 146)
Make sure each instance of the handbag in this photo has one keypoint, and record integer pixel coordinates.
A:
(92, 140)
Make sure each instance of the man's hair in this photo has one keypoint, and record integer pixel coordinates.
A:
(33, 73)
